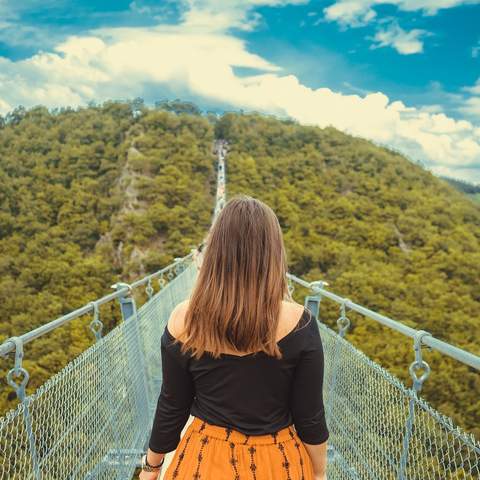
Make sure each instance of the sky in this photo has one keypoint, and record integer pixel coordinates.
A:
(402, 73)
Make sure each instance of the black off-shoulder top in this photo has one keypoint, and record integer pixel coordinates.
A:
(255, 394)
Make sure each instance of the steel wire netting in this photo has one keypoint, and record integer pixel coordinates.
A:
(91, 419)
(369, 412)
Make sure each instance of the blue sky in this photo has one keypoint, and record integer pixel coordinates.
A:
(405, 73)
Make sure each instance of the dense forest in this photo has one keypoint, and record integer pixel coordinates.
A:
(108, 192)
(90, 197)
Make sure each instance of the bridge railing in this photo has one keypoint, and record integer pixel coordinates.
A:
(92, 419)
(380, 429)
(15, 344)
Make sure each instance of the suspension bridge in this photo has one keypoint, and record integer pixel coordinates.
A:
(93, 419)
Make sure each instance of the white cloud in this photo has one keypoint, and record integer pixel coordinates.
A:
(4, 106)
(14, 32)
(476, 50)
(475, 90)
(471, 107)
(130, 62)
(356, 13)
(406, 43)
(469, 103)
(10, 9)
(222, 15)
(434, 108)
(464, 174)
(140, 9)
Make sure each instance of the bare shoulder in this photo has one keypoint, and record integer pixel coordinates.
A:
(291, 308)
(290, 314)
(176, 322)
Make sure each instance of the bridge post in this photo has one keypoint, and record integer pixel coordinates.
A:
(135, 353)
(417, 386)
(312, 302)
(20, 390)
(96, 326)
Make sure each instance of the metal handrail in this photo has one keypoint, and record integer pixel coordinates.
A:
(9, 345)
(429, 340)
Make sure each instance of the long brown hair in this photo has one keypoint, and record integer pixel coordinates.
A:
(235, 303)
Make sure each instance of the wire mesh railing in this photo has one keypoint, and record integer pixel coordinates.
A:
(379, 428)
(93, 418)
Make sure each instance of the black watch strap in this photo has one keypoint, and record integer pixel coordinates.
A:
(154, 466)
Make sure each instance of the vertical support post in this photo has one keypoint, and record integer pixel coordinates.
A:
(312, 303)
(330, 401)
(96, 326)
(406, 438)
(135, 354)
(343, 323)
(127, 302)
(418, 363)
(16, 371)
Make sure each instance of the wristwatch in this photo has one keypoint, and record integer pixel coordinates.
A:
(146, 467)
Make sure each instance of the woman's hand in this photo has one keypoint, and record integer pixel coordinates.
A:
(152, 458)
(318, 455)
(149, 475)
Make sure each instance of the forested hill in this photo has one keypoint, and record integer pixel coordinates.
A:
(88, 198)
(104, 193)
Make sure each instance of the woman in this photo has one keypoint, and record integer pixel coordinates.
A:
(245, 361)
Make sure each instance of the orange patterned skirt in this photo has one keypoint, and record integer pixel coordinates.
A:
(210, 452)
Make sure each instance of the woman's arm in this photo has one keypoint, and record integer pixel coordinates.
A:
(318, 454)
(175, 399)
(307, 400)
(154, 458)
